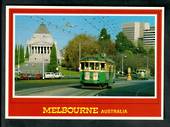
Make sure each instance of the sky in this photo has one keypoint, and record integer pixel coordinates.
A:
(64, 28)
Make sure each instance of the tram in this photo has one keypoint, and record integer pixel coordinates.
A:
(143, 73)
(97, 71)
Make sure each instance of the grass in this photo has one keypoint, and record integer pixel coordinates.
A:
(25, 84)
(134, 90)
(64, 71)
(35, 68)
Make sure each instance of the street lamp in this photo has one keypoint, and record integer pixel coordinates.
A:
(147, 60)
(123, 63)
(79, 54)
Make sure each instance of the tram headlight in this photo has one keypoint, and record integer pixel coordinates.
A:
(95, 76)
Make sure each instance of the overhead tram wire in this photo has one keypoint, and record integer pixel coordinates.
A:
(53, 26)
(113, 25)
(68, 30)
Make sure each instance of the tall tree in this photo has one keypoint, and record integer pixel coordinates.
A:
(16, 55)
(140, 47)
(151, 60)
(53, 60)
(106, 45)
(27, 53)
(104, 35)
(122, 43)
(21, 54)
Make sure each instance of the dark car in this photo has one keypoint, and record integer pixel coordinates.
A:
(31, 76)
(24, 76)
(38, 76)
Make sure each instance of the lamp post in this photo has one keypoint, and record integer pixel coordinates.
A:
(123, 63)
(147, 60)
(79, 54)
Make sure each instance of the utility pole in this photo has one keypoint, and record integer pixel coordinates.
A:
(79, 54)
(123, 64)
(147, 66)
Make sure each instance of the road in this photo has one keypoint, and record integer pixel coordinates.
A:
(76, 90)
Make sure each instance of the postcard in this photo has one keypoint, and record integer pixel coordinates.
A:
(84, 63)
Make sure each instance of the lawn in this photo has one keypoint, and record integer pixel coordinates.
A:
(66, 72)
(25, 84)
(134, 90)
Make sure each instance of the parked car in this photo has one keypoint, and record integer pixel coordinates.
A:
(24, 76)
(38, 76)
(17, 75)
(31, 76)
(49, 75)
(58, 75)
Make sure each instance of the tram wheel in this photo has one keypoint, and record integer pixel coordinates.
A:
(100, 87)
(82, 86)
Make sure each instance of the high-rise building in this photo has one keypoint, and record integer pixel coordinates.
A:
(149, 37)
(40, 45)
(134, 31)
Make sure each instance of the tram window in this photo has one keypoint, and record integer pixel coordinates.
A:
(102, 66)
(86, 65)
(97, 66)
(82, 66)
(91, 66)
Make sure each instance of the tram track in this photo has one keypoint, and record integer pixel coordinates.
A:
(76, 90)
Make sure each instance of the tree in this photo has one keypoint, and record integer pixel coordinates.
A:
(132, 60)
(53, 60)
(81, 44)
(106, 45)
(19, 54)
(140, 47)
(151, 55)
(16, 54)
(122, 43)
(27, 53)
(104, 35)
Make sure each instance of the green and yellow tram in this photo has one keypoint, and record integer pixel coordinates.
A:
(96, 71)
(143, 73)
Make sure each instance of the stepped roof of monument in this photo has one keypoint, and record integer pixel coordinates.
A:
(42, 29)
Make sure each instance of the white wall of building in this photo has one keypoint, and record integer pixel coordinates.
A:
(135, 30)
(40, 45)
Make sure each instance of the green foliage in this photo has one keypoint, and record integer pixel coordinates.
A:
(140, 48)
(135, 61)
(136, 56)
(151, 61)
(19, 54)
(16, 55)
(87, 46)
(68, 72)
(53, 60)
(130, 60)
(27, 53)
(122, 43)
(103, 35)
(106, 45)
(22, 59)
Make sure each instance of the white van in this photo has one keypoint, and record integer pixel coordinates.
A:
(58, 75)
(49, 75)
